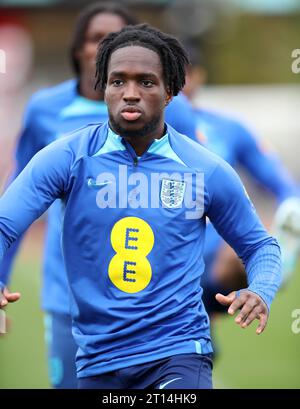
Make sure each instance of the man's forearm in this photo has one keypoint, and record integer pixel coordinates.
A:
(6, 264)
(264, 271)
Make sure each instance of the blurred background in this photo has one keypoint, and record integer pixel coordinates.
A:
(247, 47)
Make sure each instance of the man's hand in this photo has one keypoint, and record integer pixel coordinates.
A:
(6, 297)
(251, 305)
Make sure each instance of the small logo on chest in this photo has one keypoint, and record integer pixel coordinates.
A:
(172, 193)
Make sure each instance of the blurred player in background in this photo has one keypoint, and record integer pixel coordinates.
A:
(50, 114)
(232, 141)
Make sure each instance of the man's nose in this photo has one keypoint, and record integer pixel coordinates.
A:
(131, 92)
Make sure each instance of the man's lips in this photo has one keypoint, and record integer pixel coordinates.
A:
(131, 113)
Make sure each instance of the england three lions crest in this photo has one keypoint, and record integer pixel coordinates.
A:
(172, 193)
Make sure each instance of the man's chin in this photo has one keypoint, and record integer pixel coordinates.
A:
(135, 129)
(129, 129)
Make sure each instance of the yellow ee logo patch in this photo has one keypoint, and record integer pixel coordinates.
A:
(132, 239)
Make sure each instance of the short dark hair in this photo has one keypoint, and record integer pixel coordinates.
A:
(83, 22)
(171, 53)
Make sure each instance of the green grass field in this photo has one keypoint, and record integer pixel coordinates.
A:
(271, 360)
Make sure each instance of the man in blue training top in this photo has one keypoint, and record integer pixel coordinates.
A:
(50, 114)
(136, 195)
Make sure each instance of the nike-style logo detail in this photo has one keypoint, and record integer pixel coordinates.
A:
(163, 385)
(97, 185)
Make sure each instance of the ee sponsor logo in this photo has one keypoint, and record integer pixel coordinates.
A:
(132, 239)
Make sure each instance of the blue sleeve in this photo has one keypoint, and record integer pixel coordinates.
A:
(44, 179)
(234, 217)
(8, 260)
(264, 166)
(29, 143)
(180, 115)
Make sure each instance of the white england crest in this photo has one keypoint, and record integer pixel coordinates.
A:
(172, 193)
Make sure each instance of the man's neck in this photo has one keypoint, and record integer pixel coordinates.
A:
(141, 144)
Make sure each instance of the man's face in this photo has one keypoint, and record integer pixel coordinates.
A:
(135, 92)
(100, 25)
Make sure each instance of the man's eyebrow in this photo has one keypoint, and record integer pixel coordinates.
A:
(116, 73)
(148, 74)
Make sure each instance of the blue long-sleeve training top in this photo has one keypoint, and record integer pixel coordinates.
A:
(133, 237)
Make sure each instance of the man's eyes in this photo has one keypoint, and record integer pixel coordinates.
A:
(147, 83)
(144, 83)
(117, 83)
